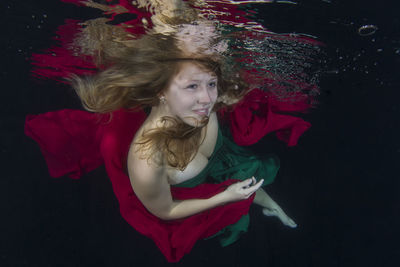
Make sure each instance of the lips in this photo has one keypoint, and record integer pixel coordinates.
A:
(201, 112)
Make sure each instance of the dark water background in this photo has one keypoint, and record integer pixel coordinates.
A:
(340, 184)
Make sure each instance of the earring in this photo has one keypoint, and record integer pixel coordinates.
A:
(162, 99)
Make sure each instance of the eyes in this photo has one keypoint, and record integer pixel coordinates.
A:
(212, 84)
(193, 86)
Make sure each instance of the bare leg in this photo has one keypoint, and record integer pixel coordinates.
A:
(271, 208)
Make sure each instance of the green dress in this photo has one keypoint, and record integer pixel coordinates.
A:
(230, 161)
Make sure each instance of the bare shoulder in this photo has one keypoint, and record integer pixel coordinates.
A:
(142, 170)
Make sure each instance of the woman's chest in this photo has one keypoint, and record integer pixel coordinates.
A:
(200, 160)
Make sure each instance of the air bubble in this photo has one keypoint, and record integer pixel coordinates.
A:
(366, 30)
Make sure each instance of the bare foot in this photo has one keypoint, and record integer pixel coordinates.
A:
(278, 212)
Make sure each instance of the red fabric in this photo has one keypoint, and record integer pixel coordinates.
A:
(69, 140)
(74, 142)
(259, 114)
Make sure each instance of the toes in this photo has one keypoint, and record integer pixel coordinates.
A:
(281, 215)
(291, 223)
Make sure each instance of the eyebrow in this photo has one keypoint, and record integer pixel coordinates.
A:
(198, 80)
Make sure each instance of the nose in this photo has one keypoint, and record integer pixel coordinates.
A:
(204, 96)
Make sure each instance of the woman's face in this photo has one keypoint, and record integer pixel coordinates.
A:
(191, 94)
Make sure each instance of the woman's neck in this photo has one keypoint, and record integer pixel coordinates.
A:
(154, 118)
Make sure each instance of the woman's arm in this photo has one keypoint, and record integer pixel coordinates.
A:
(151, 186)
(238, 191)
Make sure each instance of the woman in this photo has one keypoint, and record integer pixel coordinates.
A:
(176, 174)
(180, 133)
(190, 97)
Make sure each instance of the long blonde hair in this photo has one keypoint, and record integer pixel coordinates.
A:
(137, 75)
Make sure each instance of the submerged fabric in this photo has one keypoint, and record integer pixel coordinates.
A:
(232, 161)
(74, 142)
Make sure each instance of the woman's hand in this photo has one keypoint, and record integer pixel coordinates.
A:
(241, 190)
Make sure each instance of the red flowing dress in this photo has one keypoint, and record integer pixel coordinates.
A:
(74, 142)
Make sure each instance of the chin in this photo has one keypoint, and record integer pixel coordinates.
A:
(200, 121)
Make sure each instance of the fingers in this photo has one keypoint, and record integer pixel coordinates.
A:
(248, 182)
(244, 189)
(251, 189)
